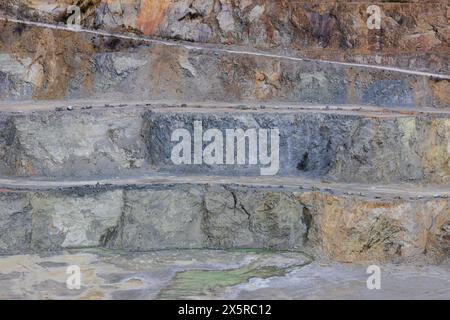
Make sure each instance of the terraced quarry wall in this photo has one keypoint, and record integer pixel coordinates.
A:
(87, 118)
(101, 177)
(393, 225)
(349, 145)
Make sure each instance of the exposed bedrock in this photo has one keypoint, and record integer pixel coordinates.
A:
(413, 34)
(340, 227)
(87, 127)
(348, 146)
(86, 66)
(72, 144)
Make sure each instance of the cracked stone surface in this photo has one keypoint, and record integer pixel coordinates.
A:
(85, 65)
(344, 147)
(342, 227)
(207, 274)
(42, 143)
(86, 177)
(413, 34)
(352, 145)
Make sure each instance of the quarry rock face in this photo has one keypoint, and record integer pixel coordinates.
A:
(362, 118)
(412, 34)
(120, 68)
(125, 69)
(348, 145)
(357, 229)
(343, 227)
(46, 149)
(345, 146)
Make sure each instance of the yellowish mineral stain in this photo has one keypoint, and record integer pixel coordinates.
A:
(441, 91)
(437, 156)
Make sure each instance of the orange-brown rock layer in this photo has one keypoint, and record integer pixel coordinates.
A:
(413, 34)
(46, 63)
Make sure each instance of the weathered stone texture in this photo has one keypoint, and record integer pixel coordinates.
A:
(72, 144)
(158, 219)
(350, 229)
(65, 221)
(253, 219)
(81, 65)
(413, 34)
(15, 222)
(341, 227)
(346, 146)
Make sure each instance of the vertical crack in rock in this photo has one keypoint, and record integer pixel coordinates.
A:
(222, 223)
(113, 237)
(307, 220)
(246, 212)
(16, 160)
(239, 207)
(8, 133)
(303, 164)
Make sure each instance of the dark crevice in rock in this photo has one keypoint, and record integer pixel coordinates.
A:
(240, 207)
(303, 164)
(307, 220)
(191, 16)
(245, 210)
(113, 236)
(109, 236)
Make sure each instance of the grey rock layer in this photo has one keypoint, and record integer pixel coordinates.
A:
(72, 144)
(341, 227)
(346, 147)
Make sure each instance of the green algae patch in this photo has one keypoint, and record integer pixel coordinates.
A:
(205, 283)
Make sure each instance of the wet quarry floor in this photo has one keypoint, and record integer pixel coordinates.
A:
(209, 274)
